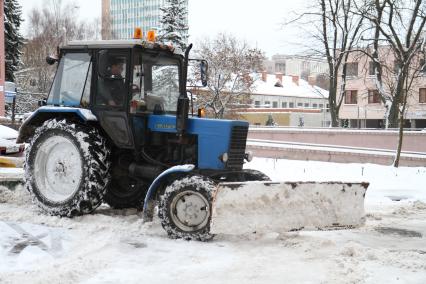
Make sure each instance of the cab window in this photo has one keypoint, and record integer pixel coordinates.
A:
(70, 78)
(155, 85)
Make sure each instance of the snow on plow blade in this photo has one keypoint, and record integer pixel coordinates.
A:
(262, 207)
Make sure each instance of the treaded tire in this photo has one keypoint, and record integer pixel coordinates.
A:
(198, 185)
(116, 198)
(95, 162)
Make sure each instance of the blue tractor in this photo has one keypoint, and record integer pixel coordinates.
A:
(116, 128)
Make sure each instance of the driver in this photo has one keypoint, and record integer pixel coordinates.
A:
(112, 87)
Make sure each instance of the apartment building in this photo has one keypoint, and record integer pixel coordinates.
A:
(296, 65)
(120, 17)
(289, 101)
(362, 105)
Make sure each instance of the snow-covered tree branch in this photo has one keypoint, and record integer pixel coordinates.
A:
(174, 28)
(232, 67)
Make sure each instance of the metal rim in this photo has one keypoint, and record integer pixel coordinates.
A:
(58, 168)
(190, 211)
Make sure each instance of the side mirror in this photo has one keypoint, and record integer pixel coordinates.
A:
(103, 59)
(51, 59)
(204, 66)
(197, 73)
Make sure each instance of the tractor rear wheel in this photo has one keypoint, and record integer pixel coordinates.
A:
(67, 168)
(185, 208)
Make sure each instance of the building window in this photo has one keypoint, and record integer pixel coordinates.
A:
(275, 104)
(351, 97)
(267, 104)
(371, 68)
(257, 104)
(284, 105)
(352, 69)
(306, 105)
(422, 95)
(291, 105)
(373, 97)
(299, 104)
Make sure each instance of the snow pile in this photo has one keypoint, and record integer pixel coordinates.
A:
(249, 207)
(18, 196)
(8, 133)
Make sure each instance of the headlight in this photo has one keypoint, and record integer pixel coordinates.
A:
(224, 157)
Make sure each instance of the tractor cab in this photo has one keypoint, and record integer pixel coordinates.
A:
(118, 80)
(113, 73)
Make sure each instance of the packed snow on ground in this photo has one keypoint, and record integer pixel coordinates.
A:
(114, 246)
(8, 133)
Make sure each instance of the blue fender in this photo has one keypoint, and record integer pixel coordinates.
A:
(47, 112)
(148, 206)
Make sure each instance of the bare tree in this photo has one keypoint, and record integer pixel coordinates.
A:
(340, 33)
(334, 30)
(52, 26)
(400, 26)
(232, 64)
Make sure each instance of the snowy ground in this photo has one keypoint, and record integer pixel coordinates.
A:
(113, 246)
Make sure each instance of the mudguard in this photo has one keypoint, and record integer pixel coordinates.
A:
(47, 112)
(148, 206)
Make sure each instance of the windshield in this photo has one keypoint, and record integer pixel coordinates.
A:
(70, 80)
(155, 83)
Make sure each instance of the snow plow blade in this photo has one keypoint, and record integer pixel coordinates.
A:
(262, 207)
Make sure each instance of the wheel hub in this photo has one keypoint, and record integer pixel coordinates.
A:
(60, 168)
(190, 210)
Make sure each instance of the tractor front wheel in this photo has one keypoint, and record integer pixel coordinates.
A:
(185, 208)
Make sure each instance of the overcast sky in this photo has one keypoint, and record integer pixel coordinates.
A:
(257, 22)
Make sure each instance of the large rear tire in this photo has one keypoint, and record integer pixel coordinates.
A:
(186, 207)
(67, 168)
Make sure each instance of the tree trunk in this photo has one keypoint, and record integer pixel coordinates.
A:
(332, 104)
(334, 117)
(393, 116)
(396, 103)
(400, 138)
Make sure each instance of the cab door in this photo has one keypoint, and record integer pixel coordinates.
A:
(111, 96)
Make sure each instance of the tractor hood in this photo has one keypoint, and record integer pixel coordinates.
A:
(215, 137)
